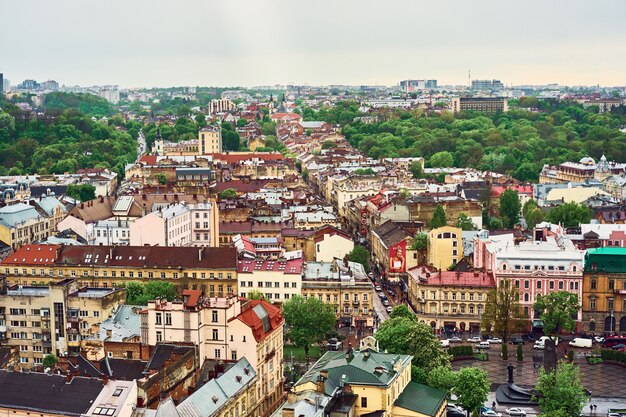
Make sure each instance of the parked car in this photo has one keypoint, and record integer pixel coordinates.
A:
(599, 339)
(494, 340)
(455, 339)
(515, 411)
(490, 413)
(539, 345)
(445, 343)
(474, 339)
(334, 344)
(544, 338)
(516, 341)
(621, 346)
(385, 303)
(454, 411)
(381, 294)
(528, 337)
(483, 345)
(581, 342)
(389, 309)
(378, 288)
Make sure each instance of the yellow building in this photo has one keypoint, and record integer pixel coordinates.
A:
(209, 140)
(21, 224)
(445, 247)
(367, 381)
(604, 291)
(213, 270)
(55, 318)
(344, 285)
(449, 299)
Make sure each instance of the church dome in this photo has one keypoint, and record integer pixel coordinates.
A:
(587, 160)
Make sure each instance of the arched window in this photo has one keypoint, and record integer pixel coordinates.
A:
(526, 297)
(594, 284)
(592, 326)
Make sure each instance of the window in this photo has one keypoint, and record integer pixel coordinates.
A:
(158, 318)
(611, 284)
(96, 314)
(560, 285)
(592, 304)
(551, 285)
(214, 316)
(364, 402)
(233, 356)
(218, 353)
(594, 284)
(610, 304)
(214, 335)
(159, 337)
(526, 284)
(168, 319)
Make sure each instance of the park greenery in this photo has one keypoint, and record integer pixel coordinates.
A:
(64, 139)
(570, 214)
(309, 320)
(471, 388)
(502, 315)
(558, 311)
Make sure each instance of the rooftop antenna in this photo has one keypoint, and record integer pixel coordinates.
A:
(469, 78)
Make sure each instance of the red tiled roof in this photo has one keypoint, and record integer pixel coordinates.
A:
(319, 234)
(521, 189)
(191, 297)
(148, 159)
(287, 116)
(251, 319)
(33, 255)
(232, 158)
(292, 266)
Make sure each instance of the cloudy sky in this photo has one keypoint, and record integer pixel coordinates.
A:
(144, 43)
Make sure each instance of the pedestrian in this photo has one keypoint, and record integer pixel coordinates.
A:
(493, 405)
(595, 408)
(590, 408)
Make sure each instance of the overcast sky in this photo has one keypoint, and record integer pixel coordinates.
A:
(145, 43)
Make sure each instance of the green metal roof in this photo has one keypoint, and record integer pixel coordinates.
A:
(360, 368)
(607, 259)
(421, 399)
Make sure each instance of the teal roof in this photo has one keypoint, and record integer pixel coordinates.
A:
(360, 368)
(607, 259)
(17, 213)
(48, 204)
(421, 399)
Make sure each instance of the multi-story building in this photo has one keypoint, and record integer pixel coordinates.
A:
(327, 244)
(480, 104)
(585, 169)
(225, 329)
(367, 382)
(209, 140)
(170, 226)
(21, 224)
(391, 248)
(54, 318)
(422, 207)
(487, 85)
(445, 247)
(222, 105)
(278, 280)
(604, 291)
(449, 300)
(345, 285)
(548, 263)
(213, 270)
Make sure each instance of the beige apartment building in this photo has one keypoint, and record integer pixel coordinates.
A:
(445, 247)
(224, 329)
(54, 318)
(209, 140)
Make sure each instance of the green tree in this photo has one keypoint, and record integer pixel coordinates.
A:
(557, 311)
(520, 353)
(570, 214)
(471, 388)
(560, 392)
(81, 192)
(420, 242)
(309, 320)
(228, 193)
(443, 159)
(502, 315)
(360, 255)
(532, 214)
(49, 360)
(402, 310)
(442, 377)
(161, 178)
(416, 169)
(510, 207)
(255, 295)
(439, 217)
(406, 336)
(200, 120)
(464, 222)
(329, 144)
(138, 293)
(364, 171)
(242, 122)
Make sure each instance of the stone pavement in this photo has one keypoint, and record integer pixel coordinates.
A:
(603, 380)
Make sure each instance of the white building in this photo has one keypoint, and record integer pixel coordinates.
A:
(277, 280)
(170, 226)
(109, 232)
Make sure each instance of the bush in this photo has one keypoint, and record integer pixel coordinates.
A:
(505, 351)
(613, 355)
(461, 351)
(520, 353)
(594, 361)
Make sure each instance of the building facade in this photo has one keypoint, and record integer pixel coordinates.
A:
(445, 247)
(209, 140)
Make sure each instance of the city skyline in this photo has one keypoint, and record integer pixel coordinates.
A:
(282, 42)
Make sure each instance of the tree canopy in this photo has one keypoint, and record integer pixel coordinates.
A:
(472, 388)
(558, 311)
(464, 222)
(439, 217)
(502, 313)
(139, 293)
(402, 310)
(81, 192)
(510, 208)
(560, 391)
(532, 214)
(405, 335)
(309, 320)
(570, 214)
(360, 255)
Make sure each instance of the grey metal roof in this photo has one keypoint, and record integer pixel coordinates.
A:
(125, 323)
(17, 213)
(210, 398)
(48, 204)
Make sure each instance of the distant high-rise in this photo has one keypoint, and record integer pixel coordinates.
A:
(409, 86)
(487, 85)
(29, 85)
(1, 83)
(209, 140)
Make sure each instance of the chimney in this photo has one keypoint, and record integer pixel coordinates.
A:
(143, 196)
(82, 205)
(101, 199)
(291, 397)
(200, 254)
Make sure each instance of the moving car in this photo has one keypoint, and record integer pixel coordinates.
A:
(494, 340)
(515, 411)
(581, 342)
(455, 339)
(474, 339)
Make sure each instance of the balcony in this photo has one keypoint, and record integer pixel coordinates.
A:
(46, 343)
(45, 318)
(73, 343)
(73, 319)
(356, 303)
